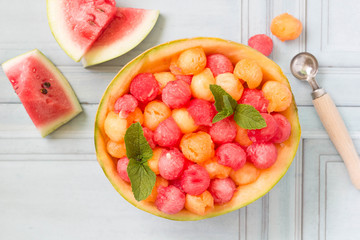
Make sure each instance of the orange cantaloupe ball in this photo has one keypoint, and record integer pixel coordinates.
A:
(155, 112)
(215, 169)
(245, 175)
(192, 61)
(230, 84)
(278, 94)
(159, 182)
(200, 85)
(184, 120)
(115, 127)
(115, 149)
(242, 136)
(200, 204)
(135, 116)
(197, 147)
(249, 71)
(163, 78)
(154, 161)
(286, 27)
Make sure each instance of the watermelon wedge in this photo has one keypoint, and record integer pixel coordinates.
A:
(128, 28)
(76, 24)
(45, 93)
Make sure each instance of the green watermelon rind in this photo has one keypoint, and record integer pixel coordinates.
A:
(120, 47)
(48, 128)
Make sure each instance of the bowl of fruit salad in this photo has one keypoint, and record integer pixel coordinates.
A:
(196, 128)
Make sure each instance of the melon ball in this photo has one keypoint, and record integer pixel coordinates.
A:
(115, 127)
(125, 104)
(177, 183)
(159, 182)
(242, 137)
(278, 94)
(195, 180)
(154, 161)
(245, 175)
(219, 64)
(222, 190)
(286, 27)
(144, 87)
(155, 112)
(117, 150)
(262, 43)
(197, 147)
(267, 133)
(223, 131)
(167, 134)
(255, 98)
(171, 164)
(163, 78)
(200, 204)
(135, 116)
(200, 85)
(201, 111)
(231, 155)
(169, 200)
(215, 169)
(121, 168)
(149, 135)
(176, 94)
(185, 78)
(262, 155)
(249, 71)
(230, 84)
(192, 61)
(284, 131)
(184, 120)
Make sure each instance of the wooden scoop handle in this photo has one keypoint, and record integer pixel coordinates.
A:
(339, 135)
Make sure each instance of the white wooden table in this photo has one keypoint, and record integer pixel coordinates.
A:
(53, 188)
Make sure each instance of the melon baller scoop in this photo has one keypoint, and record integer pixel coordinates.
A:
(304, 66)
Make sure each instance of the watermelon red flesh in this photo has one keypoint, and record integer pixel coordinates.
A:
(128, 28)
(76, 24)
(44, 92)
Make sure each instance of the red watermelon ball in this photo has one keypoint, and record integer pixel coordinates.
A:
(149, 135)
(219, 64)
(223, 131)
(262, 155)
(144, 87)
(170, 199)
(201, 111)
(121, 168)
(231, 155)
(171, 164)
(255, 98)
(167, 133)
(195, 180)
(125, 105)
(267, 133)
(222, 190)
(185, 78)
(262, 43)
(176, 94)
(284, 128)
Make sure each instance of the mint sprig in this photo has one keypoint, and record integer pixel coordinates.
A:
(138, 151)
(246, 116)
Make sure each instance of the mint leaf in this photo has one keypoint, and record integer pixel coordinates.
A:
(218, 93)
(142, 179)
(137, 147)
(246, 116)
(226, 112)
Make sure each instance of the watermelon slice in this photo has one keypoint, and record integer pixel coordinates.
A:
(45, 93)
(129, 27)
(76, 24)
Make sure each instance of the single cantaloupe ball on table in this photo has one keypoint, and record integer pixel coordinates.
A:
(192, 61)
(249, 71)
(115, 127)
(135, 116)
(200, 204)
(155, 112)
(163, 78)
(159, 182)
(230, 84)
(200, 85)
(278, 94)
(215, 169)
(154, 161)
(245, 175)
(115, 149)
(286, 27)
(197, 147)
(184, 120)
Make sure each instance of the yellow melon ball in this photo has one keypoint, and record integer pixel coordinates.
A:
(115, 149)
(154, 161)
(215, 169)
(159, 182)
(155, 112)
(286, 27)
(230, 84)
(192, 61)
(184, 120)
(245, 175)
(135, 116)
(197, 147)
(200, 85)
(115, 127)
(249, 71)
(242, 137)
(200, 204)
(163, 78)
(278, 94)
